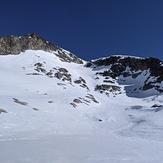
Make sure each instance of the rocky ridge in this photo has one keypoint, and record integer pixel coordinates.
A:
(138, 74)
(18, 44)
(136, 77)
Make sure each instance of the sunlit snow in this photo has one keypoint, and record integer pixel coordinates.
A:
(41, 125)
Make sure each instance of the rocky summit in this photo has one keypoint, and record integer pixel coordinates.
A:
(18, 44)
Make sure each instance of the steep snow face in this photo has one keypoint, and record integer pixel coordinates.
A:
(55, 111)
(37, 82)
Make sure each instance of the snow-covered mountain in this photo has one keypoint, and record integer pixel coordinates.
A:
(142, 77)
(70, 110)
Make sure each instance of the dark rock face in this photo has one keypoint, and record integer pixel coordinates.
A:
(82, 83)
(107, 87)
(143, 73)
(16, 45)
(119, 64)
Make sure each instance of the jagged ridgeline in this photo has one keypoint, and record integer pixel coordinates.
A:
(114, 75)
(139, 75)
(18, 44)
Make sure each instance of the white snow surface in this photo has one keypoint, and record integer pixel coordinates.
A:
(41, 126)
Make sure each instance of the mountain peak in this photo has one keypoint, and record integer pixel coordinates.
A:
(135, 63)
(33, 35)
(17, 44)
(141, 74)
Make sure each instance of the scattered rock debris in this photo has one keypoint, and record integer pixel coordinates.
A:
(20, 102)
(3, 111)
(36, 109)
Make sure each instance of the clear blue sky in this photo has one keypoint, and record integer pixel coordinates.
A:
(89, 28)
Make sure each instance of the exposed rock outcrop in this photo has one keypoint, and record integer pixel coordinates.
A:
(140, 74)
(119, 63)
(18, 44)
(82, 83)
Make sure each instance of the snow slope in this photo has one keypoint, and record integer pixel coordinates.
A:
(55, 115)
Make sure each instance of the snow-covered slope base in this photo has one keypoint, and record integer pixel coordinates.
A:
(50, 112)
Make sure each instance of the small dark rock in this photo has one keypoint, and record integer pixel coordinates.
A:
(77, 101)
(156, 106)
